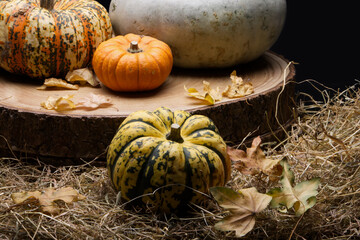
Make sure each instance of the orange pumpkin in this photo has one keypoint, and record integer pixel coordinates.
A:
(132, 63)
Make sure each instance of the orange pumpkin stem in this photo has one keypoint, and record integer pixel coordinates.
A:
(174, 134)
(134, 47)
(48, 4)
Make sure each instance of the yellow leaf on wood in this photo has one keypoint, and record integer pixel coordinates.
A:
(59, 103)
(210, 95)
(82, 76)
(57, 83)
(238, 88)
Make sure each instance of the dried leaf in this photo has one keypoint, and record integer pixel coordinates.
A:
(238, 88)
(210, 95)
(65, 103)
(243, 207)
(301, 197)
(57, 83)
(47, 197)
(254, 161)
(82, 76)
(94, 101)
(59, 103)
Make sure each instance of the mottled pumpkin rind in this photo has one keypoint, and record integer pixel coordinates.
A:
(43, 43)
(168, 175)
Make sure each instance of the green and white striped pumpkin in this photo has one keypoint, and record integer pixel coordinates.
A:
(43, 38)
(166, 159)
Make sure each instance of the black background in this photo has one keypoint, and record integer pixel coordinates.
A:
(323, 37)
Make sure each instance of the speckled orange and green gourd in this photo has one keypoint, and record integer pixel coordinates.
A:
(146, 161)
(43, 38)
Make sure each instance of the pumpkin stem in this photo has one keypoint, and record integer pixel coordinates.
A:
(48, 4)
(174, 134)
(134, 47)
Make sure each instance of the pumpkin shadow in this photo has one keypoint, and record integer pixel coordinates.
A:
(143, 94)
(182, 211)
(245, 69)
(21, 79)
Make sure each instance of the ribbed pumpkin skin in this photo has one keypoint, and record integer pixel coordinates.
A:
(41, 43)
(121, 70)
(141, 161)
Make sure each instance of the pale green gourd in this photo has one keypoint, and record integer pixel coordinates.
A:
(204, 33)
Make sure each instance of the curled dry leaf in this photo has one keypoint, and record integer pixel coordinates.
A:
(51, 83)
(63, 103)
(238, 88)
(210, 95)
(243, 207)
(254, 161)
(47, 197)
(82, 76)
(94, 101)
(301, 197)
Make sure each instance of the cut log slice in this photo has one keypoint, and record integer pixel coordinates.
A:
(28, 128)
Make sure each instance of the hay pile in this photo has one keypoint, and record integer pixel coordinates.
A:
(324, 142)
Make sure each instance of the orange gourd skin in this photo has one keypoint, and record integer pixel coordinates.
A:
(49, 42)
(120, 70)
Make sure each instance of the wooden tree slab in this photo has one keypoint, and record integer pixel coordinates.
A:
(27, 127)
